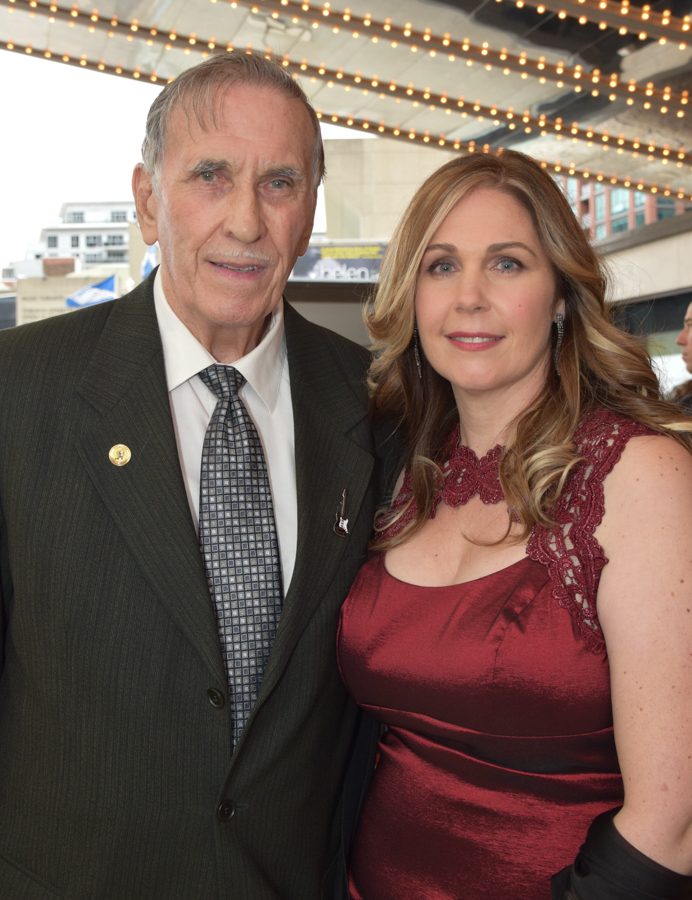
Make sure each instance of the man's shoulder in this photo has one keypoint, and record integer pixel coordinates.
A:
(58, 337)
(63, 344)
(352, 358)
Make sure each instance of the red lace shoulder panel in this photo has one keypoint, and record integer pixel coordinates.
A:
(572, 555)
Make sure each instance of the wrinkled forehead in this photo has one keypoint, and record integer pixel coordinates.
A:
(204, 106)
(209, 108)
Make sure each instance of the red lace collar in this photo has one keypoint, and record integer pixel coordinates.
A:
(464, 476)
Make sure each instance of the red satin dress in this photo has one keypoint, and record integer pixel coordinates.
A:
(499, 747)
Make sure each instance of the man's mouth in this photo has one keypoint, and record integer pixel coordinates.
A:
(242, 269)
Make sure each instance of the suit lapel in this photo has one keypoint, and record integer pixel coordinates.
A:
(146, 498)
(333, 452)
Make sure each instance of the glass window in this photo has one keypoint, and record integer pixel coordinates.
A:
(75, 240)
(117, 254)
(665, 208)
(619, 201)
(93, 240)
(600, 232)
(639, 199)
(52, 240)
(639, 219)
(600, 207)
(617, 225)
(572, 188)
(118, 216)
(113, 240)
(75, 217)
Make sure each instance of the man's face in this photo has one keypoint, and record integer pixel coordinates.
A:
(684, 339)
(233, 211)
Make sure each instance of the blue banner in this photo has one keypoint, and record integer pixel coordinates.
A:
(93, 293)
(150, 261)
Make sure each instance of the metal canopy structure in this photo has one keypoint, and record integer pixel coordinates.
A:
(598, 89)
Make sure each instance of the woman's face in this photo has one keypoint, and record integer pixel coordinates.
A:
(485, 298)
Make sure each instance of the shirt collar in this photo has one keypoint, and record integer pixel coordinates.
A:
(185, 357)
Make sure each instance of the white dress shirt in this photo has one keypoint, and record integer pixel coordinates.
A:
(267, 398)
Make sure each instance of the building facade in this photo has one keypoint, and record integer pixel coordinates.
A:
(93, 234)
(604, 210)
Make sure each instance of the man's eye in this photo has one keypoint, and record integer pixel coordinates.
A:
(207, 176)
(279, 184)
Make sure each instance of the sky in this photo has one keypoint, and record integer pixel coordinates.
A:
(68, 134)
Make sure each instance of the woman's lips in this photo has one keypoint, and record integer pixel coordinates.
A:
(474, 341)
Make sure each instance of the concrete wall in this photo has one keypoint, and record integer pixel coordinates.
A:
(653, 260)
(369, 184)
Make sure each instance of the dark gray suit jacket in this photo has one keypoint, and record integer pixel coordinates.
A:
(113, 760)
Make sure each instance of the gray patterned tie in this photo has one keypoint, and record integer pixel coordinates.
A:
(238, 538)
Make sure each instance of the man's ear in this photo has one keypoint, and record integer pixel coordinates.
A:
(146, 203)
(307, 233)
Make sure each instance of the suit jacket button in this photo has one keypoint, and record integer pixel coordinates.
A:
(226, 811)
(215, 698)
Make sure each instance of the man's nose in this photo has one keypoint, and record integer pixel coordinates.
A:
(681, 339)
(243, 215)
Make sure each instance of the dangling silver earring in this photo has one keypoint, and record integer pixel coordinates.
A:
(416, 351)
(560, 322)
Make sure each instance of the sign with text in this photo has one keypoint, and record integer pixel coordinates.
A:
(340, 262)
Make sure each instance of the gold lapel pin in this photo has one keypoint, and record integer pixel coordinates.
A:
(120, 454)
(341, 524)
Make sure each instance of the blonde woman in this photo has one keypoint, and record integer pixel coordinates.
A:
(523, 627)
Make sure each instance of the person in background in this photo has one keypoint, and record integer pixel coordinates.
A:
(172, 721)
(682, 394)
(523, 627)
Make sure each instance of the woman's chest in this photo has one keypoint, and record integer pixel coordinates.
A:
(497, 654)
(459, 544)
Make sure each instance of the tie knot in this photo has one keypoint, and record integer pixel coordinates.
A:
(222, 380)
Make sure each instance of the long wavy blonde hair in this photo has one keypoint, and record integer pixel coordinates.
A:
(600, 366)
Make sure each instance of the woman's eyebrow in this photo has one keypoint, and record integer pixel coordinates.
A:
(493, 248)
(448, 248)
(498, 248)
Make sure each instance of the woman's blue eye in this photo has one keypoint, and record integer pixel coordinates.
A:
(508, 265)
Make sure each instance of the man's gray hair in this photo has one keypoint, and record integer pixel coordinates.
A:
(196, 90)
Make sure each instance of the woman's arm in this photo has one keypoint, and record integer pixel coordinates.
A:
(645, 608)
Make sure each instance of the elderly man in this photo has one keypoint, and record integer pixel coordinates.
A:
(186, 493)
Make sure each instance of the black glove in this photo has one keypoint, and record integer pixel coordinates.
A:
(608, 867)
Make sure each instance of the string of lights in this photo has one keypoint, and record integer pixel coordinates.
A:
(642, 21)
(424, 40)
(516, 121)
(364, 124)
(93, 21)
(82, 62)
(576, 77)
